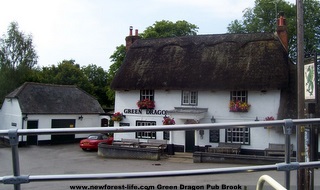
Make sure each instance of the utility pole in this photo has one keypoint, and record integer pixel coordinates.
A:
(301, 177)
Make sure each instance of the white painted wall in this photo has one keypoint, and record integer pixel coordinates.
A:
(11, 114)
(45, 122)
(262, 105)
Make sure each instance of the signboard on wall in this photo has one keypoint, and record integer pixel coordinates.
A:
(310, 80)
(214, 135)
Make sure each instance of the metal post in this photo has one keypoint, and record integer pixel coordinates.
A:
(311, 151)
(287, 132)
(14, 141)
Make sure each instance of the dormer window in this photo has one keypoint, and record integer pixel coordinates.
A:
(147, 94)
(239, 96)
(239, 101)
(189, 98)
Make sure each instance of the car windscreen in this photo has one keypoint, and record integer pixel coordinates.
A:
(93, 137)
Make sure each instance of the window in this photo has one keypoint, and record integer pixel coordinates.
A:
(146, 134)
(147, 94)
(239, 101)
(189, 98)
(238, 135)
(239, 95)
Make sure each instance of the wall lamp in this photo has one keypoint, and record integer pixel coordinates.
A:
(25, 118)
(213, 120)
(80, 118)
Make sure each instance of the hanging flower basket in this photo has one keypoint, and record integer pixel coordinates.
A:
(238, 106)
(117, 116)
(145, 104)
(168, 121)
(269, 118)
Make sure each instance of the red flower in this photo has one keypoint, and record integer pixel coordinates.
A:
(117, 116)
(168, 121)
(238, 106)
(145, 104)
(269, 118)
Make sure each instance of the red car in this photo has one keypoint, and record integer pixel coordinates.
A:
(91, 143)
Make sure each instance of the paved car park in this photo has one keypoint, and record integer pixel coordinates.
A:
(70, 159)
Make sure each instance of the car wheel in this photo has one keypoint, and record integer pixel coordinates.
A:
(84, 149)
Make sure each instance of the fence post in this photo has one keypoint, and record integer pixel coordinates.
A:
(14, 142)
(287, 129)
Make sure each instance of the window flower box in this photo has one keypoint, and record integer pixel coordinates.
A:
(238, 106)
(269, 118)
(168, 121)
(117, 116)
(146, 104)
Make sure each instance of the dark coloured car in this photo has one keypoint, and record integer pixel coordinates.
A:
(91, 143)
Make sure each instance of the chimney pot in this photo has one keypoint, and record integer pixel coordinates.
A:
(131, 39)
(282, 30)
(281, 20)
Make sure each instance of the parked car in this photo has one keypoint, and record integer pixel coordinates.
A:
(92, 141)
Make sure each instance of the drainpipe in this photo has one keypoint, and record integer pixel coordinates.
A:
(22, 127)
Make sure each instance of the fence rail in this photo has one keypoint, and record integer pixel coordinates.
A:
(16, 179)
(271, 181)
(276, 123)
(103, 176)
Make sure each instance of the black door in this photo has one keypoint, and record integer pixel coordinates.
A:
(190, 141)
(32, 139)
(63, 123)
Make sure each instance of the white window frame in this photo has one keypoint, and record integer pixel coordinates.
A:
(189, 98)
(146, 134)
(239, 95)
(238, 135)
(147, 94)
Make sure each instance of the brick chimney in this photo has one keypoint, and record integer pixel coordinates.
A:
(282, 30)
(131, 39)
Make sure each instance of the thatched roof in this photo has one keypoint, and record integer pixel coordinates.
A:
(36, 98)
(205, 62)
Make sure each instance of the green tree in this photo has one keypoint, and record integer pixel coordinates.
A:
(91, 78)
(312, 26)
(66, 73)
(17, 59)
(117, 58)
(262, 18)
(160, 29)
(164, 28)
(98, 78)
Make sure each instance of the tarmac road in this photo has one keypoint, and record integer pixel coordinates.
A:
(70, 159)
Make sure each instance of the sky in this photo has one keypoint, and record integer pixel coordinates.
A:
(88, 31)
